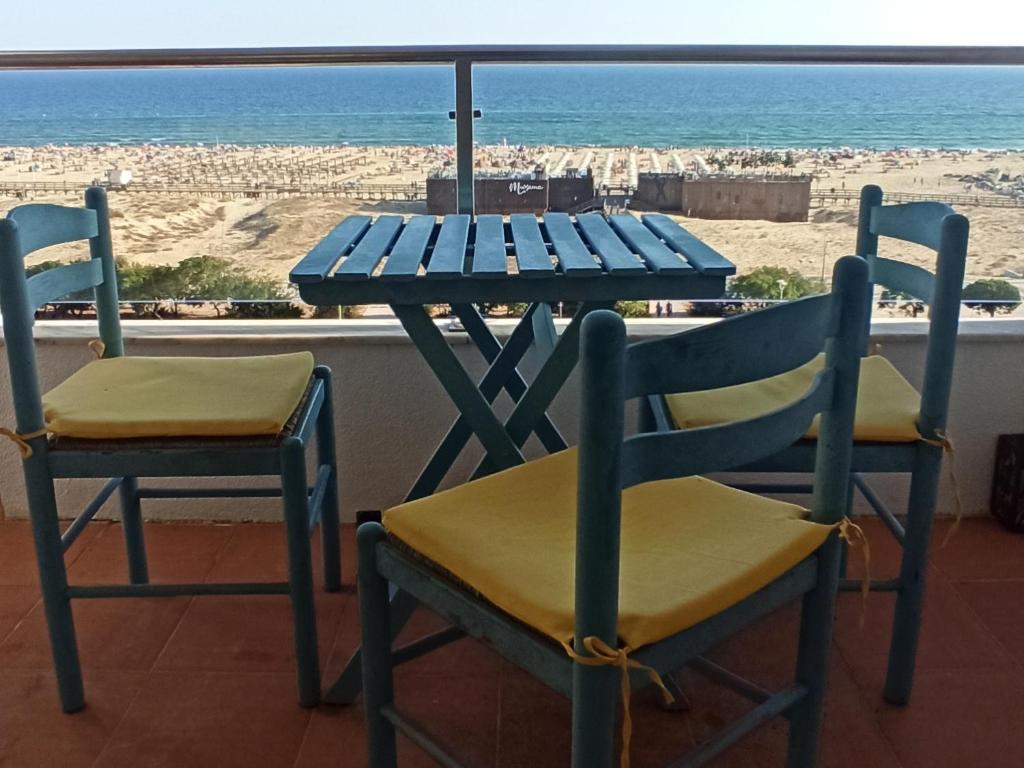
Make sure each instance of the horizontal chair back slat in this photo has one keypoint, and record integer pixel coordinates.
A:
(60, 281)
(902, 277)
(772, 342)
(919, 223)
(682, 453)
(43, 225)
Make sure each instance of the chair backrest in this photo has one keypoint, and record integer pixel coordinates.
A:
(937, 227)
(29, 228)
(733, 351)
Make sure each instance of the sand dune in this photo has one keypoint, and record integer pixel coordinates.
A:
(270, 235)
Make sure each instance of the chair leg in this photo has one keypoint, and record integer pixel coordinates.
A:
(300, 569)
(812, 662)
(595, 697)
(330, 527)
(909, 601)
(375, 619)
(131, 523)
(53, 581)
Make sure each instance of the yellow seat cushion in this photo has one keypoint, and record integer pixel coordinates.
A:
(690, 547)
(131, 397)
(887, 404)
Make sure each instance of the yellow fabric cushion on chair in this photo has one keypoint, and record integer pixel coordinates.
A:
(690, 547)
(887, 404)
(133, 397)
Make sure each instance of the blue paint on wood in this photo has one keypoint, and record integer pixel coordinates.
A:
(319, 262)
(44, 225)
(919, 223)
(490, 256)
(531, 254)
(616, 257)
(703, 257)
(407, 253)
(573, 255)
(371, 249)
(654, 252)
(449, 254)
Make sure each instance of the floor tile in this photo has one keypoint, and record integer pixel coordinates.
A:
(175, 552)
(15, 604)
(112, 634)
(35, 733)
(244, 633)
(979, 548)
(998, 606)
(958, 719)
(18, 556)
(209, 719)
(951, 638)
(258, 552)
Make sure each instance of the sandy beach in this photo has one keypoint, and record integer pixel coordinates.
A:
(158, 219)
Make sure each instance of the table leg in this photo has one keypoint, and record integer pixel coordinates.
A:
(540, 323)
(502, 372)
(538, 396)
(469, 400)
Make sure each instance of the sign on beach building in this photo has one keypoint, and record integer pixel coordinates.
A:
(513, 195)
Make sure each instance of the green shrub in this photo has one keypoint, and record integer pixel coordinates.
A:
(633, 308)
(764, 283)
(992, 296)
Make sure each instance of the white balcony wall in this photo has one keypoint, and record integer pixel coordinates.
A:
(391, 412)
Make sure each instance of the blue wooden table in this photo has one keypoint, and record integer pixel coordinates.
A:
(461, 261)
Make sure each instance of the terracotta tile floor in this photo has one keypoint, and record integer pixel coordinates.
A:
(209, 681)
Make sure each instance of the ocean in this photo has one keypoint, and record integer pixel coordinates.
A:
(603, 105)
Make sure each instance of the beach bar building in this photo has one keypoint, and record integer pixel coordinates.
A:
(768, 198)
(513, 194)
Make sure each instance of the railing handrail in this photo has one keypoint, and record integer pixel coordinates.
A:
(494, 54)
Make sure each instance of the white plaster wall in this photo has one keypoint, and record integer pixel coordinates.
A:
(391, 412)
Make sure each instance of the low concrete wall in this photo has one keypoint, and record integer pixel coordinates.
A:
(391, 412)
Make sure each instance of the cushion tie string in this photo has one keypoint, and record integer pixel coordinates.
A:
(603, 655)
(853, 534)
(945, 442)
(21, 440)
(98, 348)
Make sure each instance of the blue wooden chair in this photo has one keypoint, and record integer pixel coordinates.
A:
(897, 430)
(125, 418)
(667, 563)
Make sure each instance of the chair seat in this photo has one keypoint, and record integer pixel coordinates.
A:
(179, 397)
(690, 547)
(887, 404)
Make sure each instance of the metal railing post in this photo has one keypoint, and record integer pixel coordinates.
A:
(464, 134)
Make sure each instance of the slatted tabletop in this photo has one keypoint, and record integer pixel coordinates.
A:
(425, 260)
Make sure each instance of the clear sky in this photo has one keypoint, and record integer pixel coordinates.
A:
(77, 24)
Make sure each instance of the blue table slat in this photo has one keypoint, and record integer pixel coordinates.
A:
(316, 265)
(489, 252)
(617, 258)
(703, 257)
(531, 253)
(450, 249)
(405, 257)
(572, 253)
(655, 254)
(371, 249)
